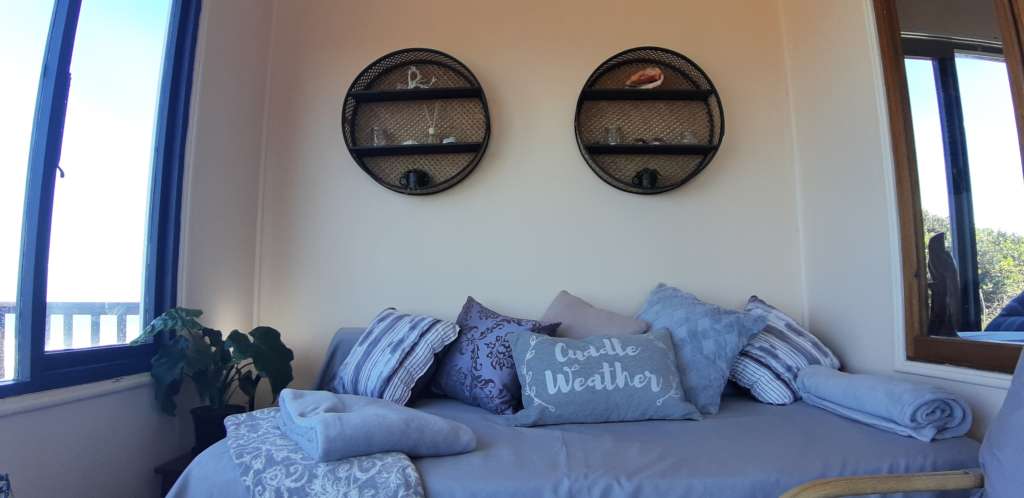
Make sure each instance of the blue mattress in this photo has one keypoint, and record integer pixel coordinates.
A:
(748, 449)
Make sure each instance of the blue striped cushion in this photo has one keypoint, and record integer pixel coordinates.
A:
(394, 352)
(769, 363)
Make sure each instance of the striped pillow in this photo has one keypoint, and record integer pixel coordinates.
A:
(394, 352)
(770, 362)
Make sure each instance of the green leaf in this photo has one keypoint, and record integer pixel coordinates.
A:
(174, 319)
(240, 345)
(187, 348)
(213, 337)
(271, 358)
(168, 371)
(201, 356)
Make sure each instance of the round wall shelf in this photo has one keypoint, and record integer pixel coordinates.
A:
(416, 121)
(648, 120)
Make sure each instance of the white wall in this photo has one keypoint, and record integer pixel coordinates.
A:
(107, 446)
(850, 245)
(532, 219)
(797, 207)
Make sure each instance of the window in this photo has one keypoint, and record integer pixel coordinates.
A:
(90, 204)
(960, 180)
(23, 30)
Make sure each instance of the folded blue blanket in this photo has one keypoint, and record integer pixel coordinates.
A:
(271, 465)
(906, 408)
(331, 426)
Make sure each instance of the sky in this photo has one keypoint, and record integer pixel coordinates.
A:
(100, 206)
(997, 181)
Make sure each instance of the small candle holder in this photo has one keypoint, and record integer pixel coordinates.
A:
(646, 178)
(380, 136)
(613, 135)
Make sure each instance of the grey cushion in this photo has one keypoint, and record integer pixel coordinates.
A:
(1002, 452)
(580, 319)
(598, 379)
(706, 337)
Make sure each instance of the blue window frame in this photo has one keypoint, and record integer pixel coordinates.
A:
(36, 368)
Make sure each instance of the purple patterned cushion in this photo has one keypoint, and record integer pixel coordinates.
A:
(477, 368)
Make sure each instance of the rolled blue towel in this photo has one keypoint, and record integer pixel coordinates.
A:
(331, 426)
(907, 408)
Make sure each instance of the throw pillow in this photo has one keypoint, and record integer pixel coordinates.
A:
(769, 364)
(477, 368)
(706, 337)
(1002, 451)
(580, 319)
(598, 379)
(1010, 318)
(394, 352)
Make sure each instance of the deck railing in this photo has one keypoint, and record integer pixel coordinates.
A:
(69, 310)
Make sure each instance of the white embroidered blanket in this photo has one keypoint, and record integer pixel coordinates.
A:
(271, 465)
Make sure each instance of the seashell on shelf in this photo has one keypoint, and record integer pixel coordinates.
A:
(648, 77)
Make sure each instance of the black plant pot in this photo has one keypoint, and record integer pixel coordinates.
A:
(209, 424)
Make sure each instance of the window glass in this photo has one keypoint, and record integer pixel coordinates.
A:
(997, 181)
(931, 159)
(23, 30)
(100, 210)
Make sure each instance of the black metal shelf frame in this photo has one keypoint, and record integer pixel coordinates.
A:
(642, 94)
(415, 149)
(380, 97)
(651, 149)
(362, 96)
(685, 111)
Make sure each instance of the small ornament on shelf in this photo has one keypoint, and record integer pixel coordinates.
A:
(432, 133)
(415, 80)
(380, 136)
(646, 178)
(613, 135)
(646, 78)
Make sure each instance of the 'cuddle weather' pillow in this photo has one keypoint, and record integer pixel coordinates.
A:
(706, 338)
(598, 379)
(394, 352)
(580, 319)
(769, 363)
(477, 368)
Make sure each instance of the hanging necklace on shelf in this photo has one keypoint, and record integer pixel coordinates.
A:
(432, 133)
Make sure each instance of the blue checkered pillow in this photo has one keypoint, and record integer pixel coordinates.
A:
(706, 339)
(394, 352)
(768, 365)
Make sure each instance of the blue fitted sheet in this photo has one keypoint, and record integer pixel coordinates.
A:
(748, 449)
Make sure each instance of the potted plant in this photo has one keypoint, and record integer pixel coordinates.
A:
(218, 367)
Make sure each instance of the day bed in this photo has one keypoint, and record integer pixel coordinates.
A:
(748, 449)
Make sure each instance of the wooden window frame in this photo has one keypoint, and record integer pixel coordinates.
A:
(920, 346)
